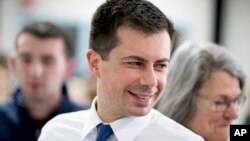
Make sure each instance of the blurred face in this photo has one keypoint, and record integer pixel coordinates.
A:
(41, 65)
(215, 107)
(134, 76)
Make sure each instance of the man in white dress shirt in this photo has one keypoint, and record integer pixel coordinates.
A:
(129, 52)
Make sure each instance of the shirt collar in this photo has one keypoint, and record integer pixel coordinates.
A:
(121, 127)
(127, 129)
(92, 121)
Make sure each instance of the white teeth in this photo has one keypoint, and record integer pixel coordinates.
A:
(143, 97)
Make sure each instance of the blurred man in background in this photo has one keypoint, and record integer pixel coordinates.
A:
(43, 62)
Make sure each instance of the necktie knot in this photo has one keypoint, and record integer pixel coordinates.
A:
(103, 132)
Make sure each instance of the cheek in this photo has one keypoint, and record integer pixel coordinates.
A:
(162, 81)
(128, 76)
(205, 116)
(59, 75)
(201, 114)
(122, 76)
(59, 68)
(21, 69)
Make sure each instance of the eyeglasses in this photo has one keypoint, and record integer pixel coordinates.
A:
(222, 103)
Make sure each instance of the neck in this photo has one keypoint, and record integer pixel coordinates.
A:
(40, 108)
(107, 115)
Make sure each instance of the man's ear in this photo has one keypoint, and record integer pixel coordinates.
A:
(13, 63)
(71, 65)
(94, 60)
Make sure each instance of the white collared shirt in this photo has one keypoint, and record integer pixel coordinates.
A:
(81, 126)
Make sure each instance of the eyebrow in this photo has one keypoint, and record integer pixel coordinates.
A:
(23, 55)
(133, 57)
(48, 57)
(228, 97)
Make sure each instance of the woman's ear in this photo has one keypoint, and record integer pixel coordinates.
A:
(94, 61)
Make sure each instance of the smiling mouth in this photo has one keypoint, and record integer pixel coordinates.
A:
(140, 96)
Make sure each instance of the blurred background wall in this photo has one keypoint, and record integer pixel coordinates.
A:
(225, 22)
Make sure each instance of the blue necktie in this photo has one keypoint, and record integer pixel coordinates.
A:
(103, 132)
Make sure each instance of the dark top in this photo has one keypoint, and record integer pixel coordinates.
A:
(16, 123)
(247, 122)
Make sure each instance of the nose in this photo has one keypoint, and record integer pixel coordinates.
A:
(36, 69)
(148, 78)
(232, 111)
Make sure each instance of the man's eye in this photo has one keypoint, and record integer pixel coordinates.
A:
(25, 60)
(135, 63)
(47, 61)
(160, 66)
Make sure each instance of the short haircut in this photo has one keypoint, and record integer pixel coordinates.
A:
(140, 15)
(46, 30)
